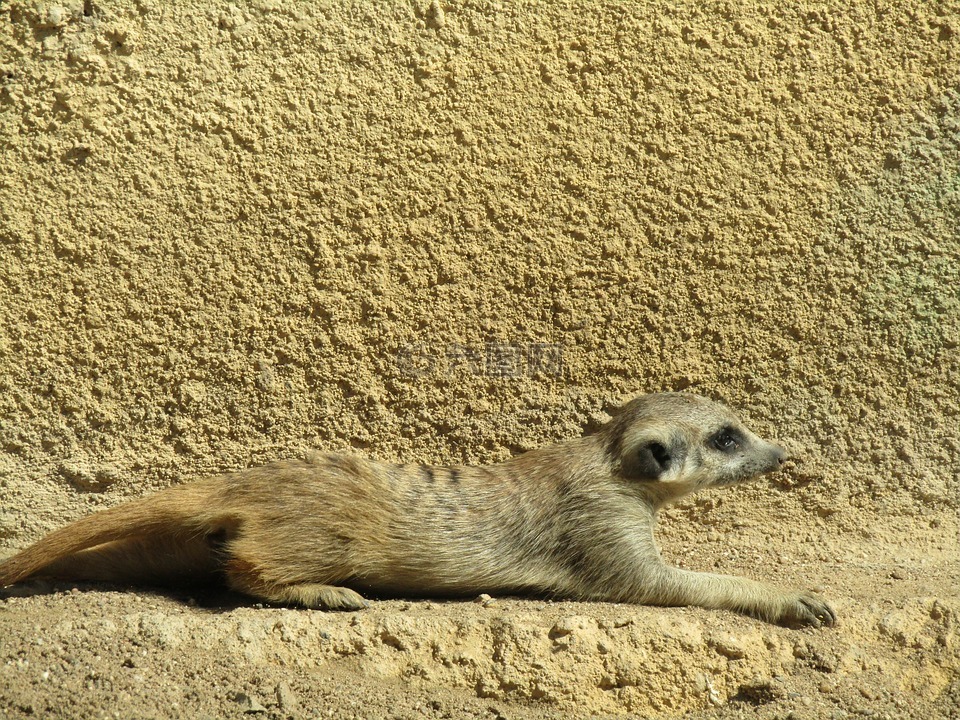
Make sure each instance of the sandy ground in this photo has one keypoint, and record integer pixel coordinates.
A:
(451, 232)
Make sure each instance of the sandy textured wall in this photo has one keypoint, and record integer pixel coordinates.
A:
(223, 226)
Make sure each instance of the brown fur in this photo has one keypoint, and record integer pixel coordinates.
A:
(572, 520)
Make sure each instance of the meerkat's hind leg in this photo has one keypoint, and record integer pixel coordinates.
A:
(316, 596)
(243, 576)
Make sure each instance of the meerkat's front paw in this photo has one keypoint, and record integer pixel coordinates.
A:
(805, 608)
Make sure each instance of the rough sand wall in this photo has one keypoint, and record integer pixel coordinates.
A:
(231, 232)
(222, 226)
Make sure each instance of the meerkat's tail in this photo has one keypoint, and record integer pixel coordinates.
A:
(169, 529)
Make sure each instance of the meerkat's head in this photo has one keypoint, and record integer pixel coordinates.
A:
(682, 443)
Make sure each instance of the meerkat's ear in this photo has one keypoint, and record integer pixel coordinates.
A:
(646, 461)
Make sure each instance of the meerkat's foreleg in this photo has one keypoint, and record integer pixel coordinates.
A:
(766, 602)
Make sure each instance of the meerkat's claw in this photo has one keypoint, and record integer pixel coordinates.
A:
(808, 609)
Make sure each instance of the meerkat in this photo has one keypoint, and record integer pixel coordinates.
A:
(573, 520)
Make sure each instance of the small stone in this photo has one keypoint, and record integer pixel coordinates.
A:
(436, 18)
(465, 136)
(57, 16)
(569, 625)
(760, 691)
(286, 699)
(81, 475)
(728, 646)
(245, 633)
(485, 600)
(248, 703)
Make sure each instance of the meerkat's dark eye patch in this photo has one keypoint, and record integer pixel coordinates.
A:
(646, 462)
(726, 440)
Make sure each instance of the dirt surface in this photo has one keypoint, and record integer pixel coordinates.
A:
(451, 232)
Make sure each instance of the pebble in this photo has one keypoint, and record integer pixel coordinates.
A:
(761, 691)
(57, 16)
(286, 699)
(568, 625)
(249, 704)
(245, 632)
(485, 600)
(436, 15)
(828, 686)
(728, 646)
(83, 476)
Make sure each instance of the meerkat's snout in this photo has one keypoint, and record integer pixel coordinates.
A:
(781, 454)
(761, 457)
(776, 456)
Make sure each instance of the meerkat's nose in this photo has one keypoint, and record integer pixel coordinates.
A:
(781, 455)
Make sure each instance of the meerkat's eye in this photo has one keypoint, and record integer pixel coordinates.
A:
(726, 440)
